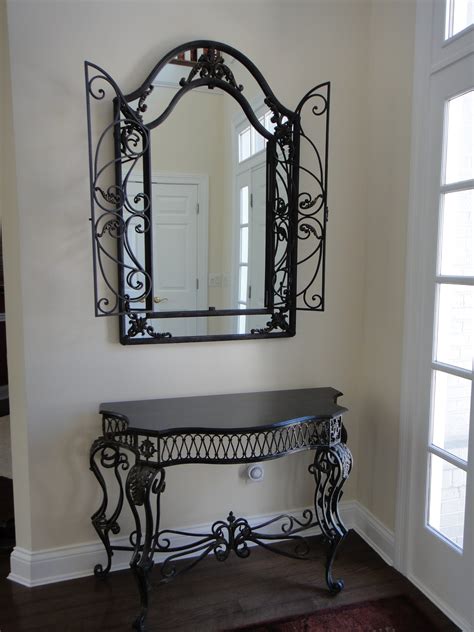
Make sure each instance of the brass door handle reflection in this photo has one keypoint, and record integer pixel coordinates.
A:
(156, 299)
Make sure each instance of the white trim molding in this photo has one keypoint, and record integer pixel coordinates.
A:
(449, 612)
(375, 533)
(48, 566)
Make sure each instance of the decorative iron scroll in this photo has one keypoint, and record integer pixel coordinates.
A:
(242, 446)
(119, 219)
(211, 64)
(232, 535)
(312, 198)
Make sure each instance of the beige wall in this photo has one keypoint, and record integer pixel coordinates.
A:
(73, 361)
(5, 124)
(11, 235)
(390, 75)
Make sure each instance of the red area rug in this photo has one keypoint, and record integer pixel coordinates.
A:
(395, 614)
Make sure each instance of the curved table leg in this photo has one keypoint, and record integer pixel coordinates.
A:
(330, 469)
(110, 457)
(143, 480)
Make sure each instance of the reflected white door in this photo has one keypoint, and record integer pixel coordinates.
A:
(175, 246)
(176, 252)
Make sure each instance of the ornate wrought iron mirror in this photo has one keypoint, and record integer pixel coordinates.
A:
(202, 206)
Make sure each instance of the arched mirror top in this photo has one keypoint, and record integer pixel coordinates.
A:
(209, 65)
(205, 64)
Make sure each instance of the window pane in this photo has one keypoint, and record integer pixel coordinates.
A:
(243, 283)
(460, 138)
(459, 15)
(457, 234)
(241, 324)
(447, 499)
(454, 340)
(244, 144)
(244, 205)
(269, 125)
(450, 413)
(259, 142)
(244, 244)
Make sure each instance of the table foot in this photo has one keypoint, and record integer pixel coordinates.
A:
(335, 585)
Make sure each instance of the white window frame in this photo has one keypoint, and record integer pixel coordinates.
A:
(433, 54)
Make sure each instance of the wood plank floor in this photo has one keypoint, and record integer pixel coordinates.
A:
(211, 597)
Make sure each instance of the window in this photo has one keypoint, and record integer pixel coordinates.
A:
(459, 16)
(250, 156)
(435, 525)
(453, 340)
(250, 141)
(243, 263)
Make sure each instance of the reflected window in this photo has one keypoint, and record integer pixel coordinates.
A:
(459, 16)
(243, 255)
(250, 141)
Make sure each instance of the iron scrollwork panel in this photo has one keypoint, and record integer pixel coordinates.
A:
(120, 220)
(313, 111)
(235, 447)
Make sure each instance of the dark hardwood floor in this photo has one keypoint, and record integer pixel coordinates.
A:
(213, 596)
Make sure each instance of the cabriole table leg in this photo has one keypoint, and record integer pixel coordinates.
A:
(331, 468)
(142, 481)
(110, 456)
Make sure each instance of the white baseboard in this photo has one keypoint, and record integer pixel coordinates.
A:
(35, 568)
(455, 618)
(374, 532)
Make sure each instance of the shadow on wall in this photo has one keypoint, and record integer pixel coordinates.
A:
(7, 524)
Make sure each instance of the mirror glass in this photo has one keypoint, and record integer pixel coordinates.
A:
(209, 192)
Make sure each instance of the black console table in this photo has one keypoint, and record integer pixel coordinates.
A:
(143, 438)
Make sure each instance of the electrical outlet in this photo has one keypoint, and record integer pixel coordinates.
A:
(255, 473)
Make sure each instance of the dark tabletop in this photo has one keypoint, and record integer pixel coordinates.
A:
(233, 411)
